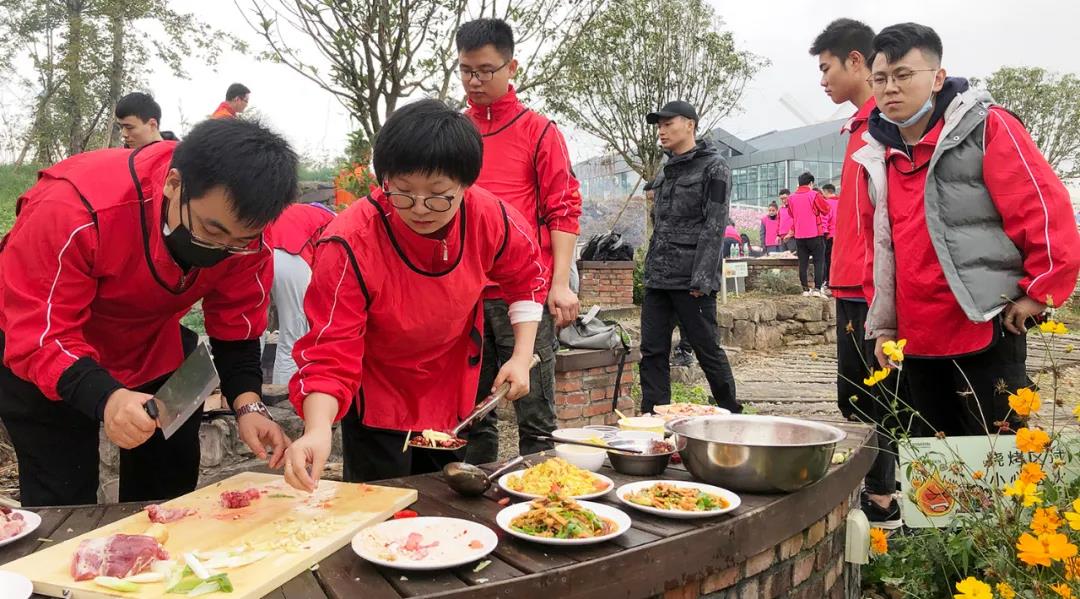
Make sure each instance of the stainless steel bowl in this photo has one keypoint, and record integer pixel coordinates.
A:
(647, 464)
(756, 454)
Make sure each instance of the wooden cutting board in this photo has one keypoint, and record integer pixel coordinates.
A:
(282, 516)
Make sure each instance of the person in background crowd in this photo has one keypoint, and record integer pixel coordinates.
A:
(770, 229)
(787, 243)
(236, 101)
(843, 49)
(808, 212)
(139, 119)
(527, 165)
(972, 239)
(828, 191)
(731, 240)
(682, 268)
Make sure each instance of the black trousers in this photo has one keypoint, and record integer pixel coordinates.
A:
(828, 260)
(697, 315)
(854, 359)
(812, 247)
(57, 448)
(375, 454)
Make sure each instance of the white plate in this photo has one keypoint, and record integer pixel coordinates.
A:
(15, 586)
(621, 520)
(31, 522)
(504, 481)
(628, 488)
(453, 535)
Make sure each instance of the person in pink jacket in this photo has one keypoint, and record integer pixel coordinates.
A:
(786, 243)
(808, 213)
(829, 191)
(770, 229)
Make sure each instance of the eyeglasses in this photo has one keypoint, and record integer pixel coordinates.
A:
(467, 75)
(404, 201)
(185, 200)
(900, 78)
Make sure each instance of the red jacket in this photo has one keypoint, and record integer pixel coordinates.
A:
(526, 165)
(416, 302)
(298, 228)
(853, 222)
(223, 111)
(85, 273)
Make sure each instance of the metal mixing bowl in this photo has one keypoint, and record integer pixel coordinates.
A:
(756, 454)
(639, 464)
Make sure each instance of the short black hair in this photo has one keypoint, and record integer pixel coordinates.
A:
(784, 192)
(482, 32)
(843, 36)
(256, 167)
(829, 187)
(897, 40)
(428, 137)
(773, 205)
(236, 90)
(140, 105)
(806, 179)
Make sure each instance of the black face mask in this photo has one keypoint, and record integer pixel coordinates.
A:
(183, 248)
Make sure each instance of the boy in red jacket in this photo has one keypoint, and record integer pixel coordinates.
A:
(526, 165)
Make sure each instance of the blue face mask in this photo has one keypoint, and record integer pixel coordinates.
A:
(920, 113)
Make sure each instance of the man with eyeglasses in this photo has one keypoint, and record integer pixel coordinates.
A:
(108, 251)
(972, 235)
(526, 165)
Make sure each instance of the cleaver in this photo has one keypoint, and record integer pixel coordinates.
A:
(185, 392)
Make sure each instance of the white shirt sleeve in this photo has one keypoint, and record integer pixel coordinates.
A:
(525, 311)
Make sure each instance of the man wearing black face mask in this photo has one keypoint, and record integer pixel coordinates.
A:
(109, 249)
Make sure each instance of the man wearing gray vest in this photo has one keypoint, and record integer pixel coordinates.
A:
(972, 235)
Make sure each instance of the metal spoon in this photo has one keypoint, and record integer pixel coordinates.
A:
(585, 444)
(471, 481)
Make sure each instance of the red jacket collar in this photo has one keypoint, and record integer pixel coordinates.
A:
(860, 117)
(498, 112)
(803, 189)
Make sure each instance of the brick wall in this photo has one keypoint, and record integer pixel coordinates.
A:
(585, 387)
(809, 565)
(606, 284)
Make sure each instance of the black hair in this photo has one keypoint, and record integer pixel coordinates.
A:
(784, 192)
(236, 90)
(140, 105)
(428, 137)
(897, 40)
(829, 187)
(843, 36)
(256, 167)
(806, 179)
(774, 205)
(482, 32)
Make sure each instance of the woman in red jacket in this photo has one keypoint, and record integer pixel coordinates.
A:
(402, 273)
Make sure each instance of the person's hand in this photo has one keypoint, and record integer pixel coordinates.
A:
(563, 305)
(1019, 311)
(789, 236)
(696, 293)
(516, 371)
(126, 422)
(312, 449)
(879, 352)
(259, 432)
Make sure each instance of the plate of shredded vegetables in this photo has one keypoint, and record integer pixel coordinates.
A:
(678, 499)
(560, 520)
(559, 475)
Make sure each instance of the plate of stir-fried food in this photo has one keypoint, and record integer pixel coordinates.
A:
(556, 475)
(560, 520)
(678, 499)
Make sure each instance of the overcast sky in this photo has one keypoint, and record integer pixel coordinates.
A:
(978, 36)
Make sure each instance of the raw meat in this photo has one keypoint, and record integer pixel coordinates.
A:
(116, 555)
(414, 545)
(163, 515)
(11, 523)
(239, 499)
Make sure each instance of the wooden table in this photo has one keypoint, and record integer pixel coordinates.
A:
(656, 554)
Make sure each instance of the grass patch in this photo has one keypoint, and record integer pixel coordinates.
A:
(13, 182)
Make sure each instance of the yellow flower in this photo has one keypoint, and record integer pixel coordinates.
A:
(1062, 590)
(1022, 491)
(1076, 413)
(894, 350)
(876, 377)
(1072, 568)
(1025, 401)
(1005, 590)
(978, 475)
(1031, 440)
(1032, 473)
(1073, 517)
(879, 542)
(972, 588)
(1045, 521)
(1053, 327)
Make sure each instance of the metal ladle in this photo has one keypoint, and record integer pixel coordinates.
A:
(471, 481)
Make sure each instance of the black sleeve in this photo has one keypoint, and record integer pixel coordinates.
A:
(239, 365)
(87, 386)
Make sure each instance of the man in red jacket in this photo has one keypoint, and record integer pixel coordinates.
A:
(842, 50)
(236, 101)
(526, 165)
(109, 250)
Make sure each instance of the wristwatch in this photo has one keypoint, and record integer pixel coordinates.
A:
(257, 407)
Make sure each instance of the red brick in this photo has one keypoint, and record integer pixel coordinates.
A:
(625, 404)
(689, 591)
(815, 533)
(720, 581)
(791, 547)
(573, 384)
(597, 409)
(600, 419)
(603, 381)
(833, 574)
(836, 517)
(573, 422)
(801, 571)
(596, 394)
(749, 589)
(776, 582)
(575, 398)
(757, 564)
(567, 412)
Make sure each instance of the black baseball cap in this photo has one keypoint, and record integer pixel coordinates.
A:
(675, 108)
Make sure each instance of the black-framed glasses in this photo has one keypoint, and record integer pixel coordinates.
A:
(185, 201)
(404, 201)
(900, 78)
(467, 75)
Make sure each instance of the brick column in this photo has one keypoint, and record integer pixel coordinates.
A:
(606, 284)
(585, 386)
